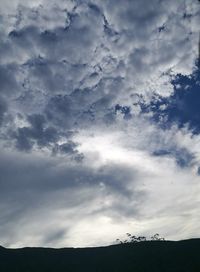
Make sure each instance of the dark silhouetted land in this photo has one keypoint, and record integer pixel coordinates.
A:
(150, 256)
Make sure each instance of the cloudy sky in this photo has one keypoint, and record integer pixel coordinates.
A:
(99, 121)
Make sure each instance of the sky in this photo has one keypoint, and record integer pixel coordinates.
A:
(99, 121)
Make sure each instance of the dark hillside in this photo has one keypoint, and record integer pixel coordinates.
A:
(150, 256)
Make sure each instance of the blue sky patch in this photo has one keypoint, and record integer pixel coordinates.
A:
(182, 107)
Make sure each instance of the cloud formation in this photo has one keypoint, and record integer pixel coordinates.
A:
(97, 123)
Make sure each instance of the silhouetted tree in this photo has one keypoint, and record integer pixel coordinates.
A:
(136, 239)
(156, 237)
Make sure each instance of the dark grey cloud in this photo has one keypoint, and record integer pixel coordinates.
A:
(39, 177)
(68, 148)
(83, 106)
(32, 185)
(183, 157)
(55, 236)
(3, 108)
(39, 135)
(8, 81)
(36, 132)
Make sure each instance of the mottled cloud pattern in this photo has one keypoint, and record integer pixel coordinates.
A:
(99, 121)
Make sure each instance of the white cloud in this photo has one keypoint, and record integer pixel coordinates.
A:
(119, 185)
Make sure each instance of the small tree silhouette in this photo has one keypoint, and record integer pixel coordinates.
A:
(156, 237)
(137, 239)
